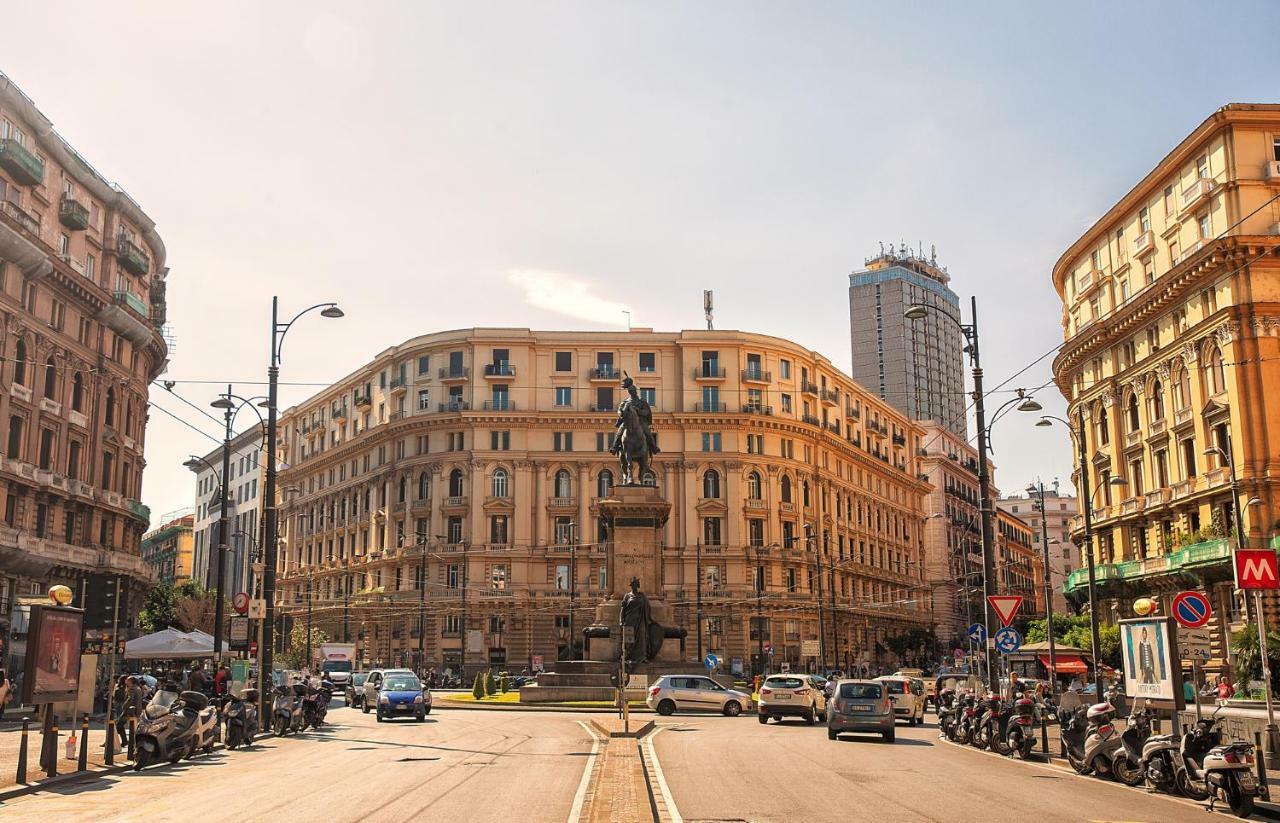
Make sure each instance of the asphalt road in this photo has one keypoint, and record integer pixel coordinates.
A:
(722, 769)
(459, 765)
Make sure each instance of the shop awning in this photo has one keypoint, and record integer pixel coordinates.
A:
(1067, 663)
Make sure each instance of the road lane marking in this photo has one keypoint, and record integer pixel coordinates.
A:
(575, 811)
(672, 812)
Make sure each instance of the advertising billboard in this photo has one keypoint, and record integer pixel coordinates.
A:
(52, 672)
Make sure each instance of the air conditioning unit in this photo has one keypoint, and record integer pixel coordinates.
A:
(1273, 170)
(1275, 228)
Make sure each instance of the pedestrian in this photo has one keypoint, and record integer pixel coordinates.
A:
(130, 706)
(1188, 691)
(220, 680)
(1225, 690)
(196, 681)
(4, 691)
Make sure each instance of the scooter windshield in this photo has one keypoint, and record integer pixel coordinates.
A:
(160, 704)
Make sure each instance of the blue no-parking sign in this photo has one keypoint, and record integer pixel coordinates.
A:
(1192, 609)
(1008, 640)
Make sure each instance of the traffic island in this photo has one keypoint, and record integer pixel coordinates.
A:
(621, 787)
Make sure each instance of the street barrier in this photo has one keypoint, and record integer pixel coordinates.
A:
(84, 743)
(110, 757)
(22, 751)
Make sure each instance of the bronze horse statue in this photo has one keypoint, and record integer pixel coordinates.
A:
(635, 443)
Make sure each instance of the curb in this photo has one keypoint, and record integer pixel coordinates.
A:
(445, 703)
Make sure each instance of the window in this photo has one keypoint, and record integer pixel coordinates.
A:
(711, 484)
(648, 361)
(20, 362)
(711, 534)
(50, 379)
(1104, 428)
(73, 460)
(402, 490)
(753, 486)
(564, 396)
(604, 441)
(562, 441)
(563, 484)
(562, 577)
(755, 532)
(564, 530)
(109, 415)
(711, 441)
(755, 400)
(604, 398)
(1188, 447)
(649, 395)
(1215, 374)
(1206, 227)
(498, 531)
(454, 529)
(424, 399)
(424, 486)
(1168, 203)
(604, 484)
(500, 440)
(1144, 218)
(455, 483)
(786, 489)
(424, 364)
(710, 398)
(784, 369)
(1202, 166)
(1157, 401)
(45, 460)
(786, 403)
(564, 361)
(500, 485)
(499, 398)
(1181, 387)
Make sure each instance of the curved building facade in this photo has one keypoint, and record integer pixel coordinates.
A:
(462, 472)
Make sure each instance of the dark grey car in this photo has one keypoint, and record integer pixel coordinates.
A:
(860, 706)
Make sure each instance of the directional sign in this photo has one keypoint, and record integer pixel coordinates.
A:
(240, 602)
(1191, 609)
(1008, 640)
(978, 633)
(711, 662)
(1256, 569)
(1005, 606)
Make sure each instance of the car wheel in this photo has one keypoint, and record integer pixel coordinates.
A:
(379, 715)
(421, 717)
(427, 710)
(763, 718)
(889, 736)
(666, 708)
(811, 717)
(832, 734)
(732, 709)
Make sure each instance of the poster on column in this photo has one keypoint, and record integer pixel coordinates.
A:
(1148, 653)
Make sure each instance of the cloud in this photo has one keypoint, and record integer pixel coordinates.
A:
(560, 293)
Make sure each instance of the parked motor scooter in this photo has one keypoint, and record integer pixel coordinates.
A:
(1103, 740)
(168, 728)
(315, 704)
(241, 715)
(1074, 727)
(1126, 762)
(208, 728)
(282, 710)
(946, 708)
(1159, 764)
(967, 719)
(1021, 735)
(1207, 769)
(991, 729)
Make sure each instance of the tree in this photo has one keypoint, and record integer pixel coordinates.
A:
(1248, 667)
(490, 684)
(186, 606)
(477, 688)
(1073, 630)
(159, 609)
(504, 684)
(295, 657)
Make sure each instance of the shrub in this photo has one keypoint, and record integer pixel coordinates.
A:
(477, 688)
(490, 683)
(504, 684)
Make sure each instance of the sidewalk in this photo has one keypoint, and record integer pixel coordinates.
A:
(10, 743)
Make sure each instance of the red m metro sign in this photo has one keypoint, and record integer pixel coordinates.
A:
(1256, 569)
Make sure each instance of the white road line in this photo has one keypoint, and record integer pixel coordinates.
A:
(672, 812)
(575, 811)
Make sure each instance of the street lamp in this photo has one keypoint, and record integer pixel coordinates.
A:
(817, 569)
(1037, 489)
(270, 526)
(1083, 457)
(462, 665)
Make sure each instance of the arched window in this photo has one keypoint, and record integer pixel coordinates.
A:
(711, 484)
(1104, 426)
(402, 491)
(500, 485)
(649, 479)
(455, 483)
(77, 391)
(604, 484)
(804, 491)
(50, 379)
(424, 486)
(786, 489)
(109, 416)
(753, 486)
(564, 484)
(1135, 420)
(1157, 400)
(1181, 387)
(20, 363)
(1215, 376)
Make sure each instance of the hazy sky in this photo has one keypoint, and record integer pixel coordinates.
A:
(436, 166)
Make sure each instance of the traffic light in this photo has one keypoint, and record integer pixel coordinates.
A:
(102, 591)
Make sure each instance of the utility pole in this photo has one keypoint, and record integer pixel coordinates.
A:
(307, 662)
(224, 527)
(984, 493)
(835, 615)
(698, 570)
(573, 586)
(422, 602)
(814, 548)
(1048, 589)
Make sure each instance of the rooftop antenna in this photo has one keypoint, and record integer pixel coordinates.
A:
(706, 308)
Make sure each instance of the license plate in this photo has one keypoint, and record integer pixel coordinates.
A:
(782, 697)
(854, 709)
(1246, 779)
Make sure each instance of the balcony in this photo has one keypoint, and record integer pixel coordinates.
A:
(603, 371)
(1132, 505)
(710, 408)
(340, 414)
(454, 502)
(1133, 438)
(1220, 476)
(899, 440)
(754, 503)
(562, 502)
(853, 413)
(455, 406)
(829, 396)
(810, 419)
(756, 376)
(455, 373)
(1158, 497)
(362, 399)
(131, 257)
(808, 388)
(1144, 243)
(73, 214)
(26, 168)
(709, 371)
(499, 405)
(1196, 555)
(499, 370)
(398, 386)
(1182, 488)
(132, 301)
(27, 221)
(756, 408)
(1196, 193)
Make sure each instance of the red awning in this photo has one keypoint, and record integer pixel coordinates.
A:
(1067, 663)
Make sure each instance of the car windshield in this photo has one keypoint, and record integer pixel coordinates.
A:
(402, 684)
(895, 686)
(337, 666)
(360, 678)
(784, 683)
(860, 691)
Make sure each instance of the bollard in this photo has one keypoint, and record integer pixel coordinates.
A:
(22, 751)
(51, 762)
(133, 732)
(110, 757)
(1263, 789)
(84, 744)
(1044, 734)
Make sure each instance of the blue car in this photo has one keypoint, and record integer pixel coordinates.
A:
(401, 695)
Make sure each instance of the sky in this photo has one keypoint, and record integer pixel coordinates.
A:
(549, 165)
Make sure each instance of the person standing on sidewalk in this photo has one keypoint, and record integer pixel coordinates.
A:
(4, 691)
(130, 706)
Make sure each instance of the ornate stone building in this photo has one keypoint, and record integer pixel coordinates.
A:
(168, 550)
(1172, 353)
(82, 302)
(470, 464)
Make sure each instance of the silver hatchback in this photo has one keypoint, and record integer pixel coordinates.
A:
(679, 692)
(860, 706)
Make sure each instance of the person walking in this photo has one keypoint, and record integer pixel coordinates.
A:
(130, 706)
(1225, 690)
(220, 681)
(196, 680)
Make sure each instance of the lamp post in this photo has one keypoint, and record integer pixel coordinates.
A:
(1037, 489)
(698, 574)
(817, 572)
(573, 586)
(1091, 564)
(270, 526)
(462, 636)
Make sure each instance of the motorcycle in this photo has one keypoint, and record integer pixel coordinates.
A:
(967, 719)
(1126, 763)
(240, 713)
(1207, 769)
(1021, 738)
(991, 728)
(286, 709)
(1103, 740)
(315, 704)
(169, 727)
(1075, 730)
(946, 708)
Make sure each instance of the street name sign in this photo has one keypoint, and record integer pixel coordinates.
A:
(1191, 609)
(1256, 569)
(810, 648)
(1005, 606)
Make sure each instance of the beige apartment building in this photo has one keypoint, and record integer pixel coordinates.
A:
(82, 302)
(168, 550)
(953, 531)
(1059, 519)
(470, 464)
(1171, 317)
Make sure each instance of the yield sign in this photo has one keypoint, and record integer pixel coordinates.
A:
(1256, 569)
(1005, 606)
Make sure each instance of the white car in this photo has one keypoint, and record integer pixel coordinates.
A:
(792, 695)
(679, 692)
(907, 694)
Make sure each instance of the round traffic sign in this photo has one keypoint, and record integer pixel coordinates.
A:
(711, 662)
(1192, 609)
(240, 602)
(1008, 640)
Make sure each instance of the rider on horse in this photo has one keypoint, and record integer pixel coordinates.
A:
(635, 441)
